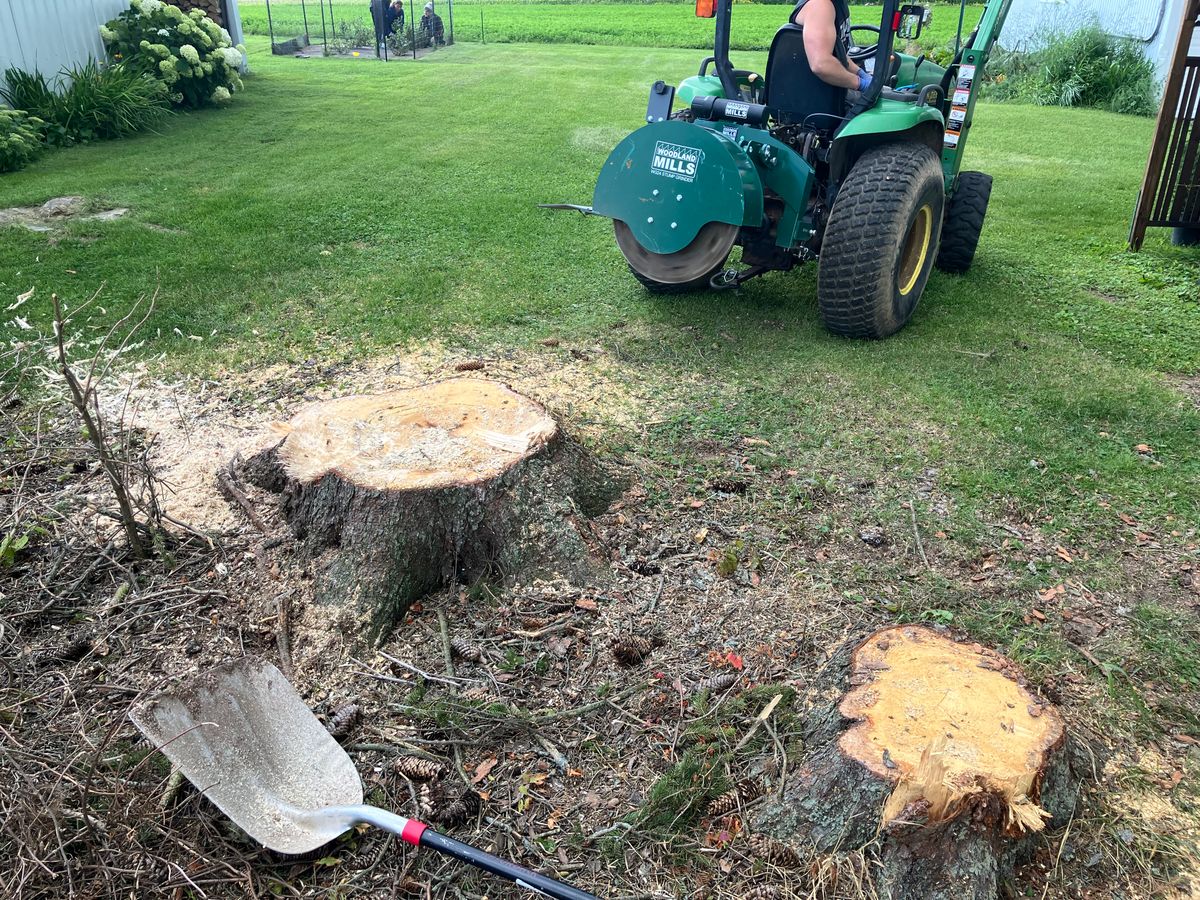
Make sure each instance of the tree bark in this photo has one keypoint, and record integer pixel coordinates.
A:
(932, 754)
(394, 495)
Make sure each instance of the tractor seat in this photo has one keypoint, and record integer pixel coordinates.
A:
(795, 95)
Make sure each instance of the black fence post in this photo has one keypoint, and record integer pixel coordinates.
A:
(412, 27)
(482, 36)
(270, 26)
(304, 13)
(450, 12)
(324, 33)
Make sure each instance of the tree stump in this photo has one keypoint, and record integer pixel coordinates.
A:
(938, 759)
(394, 495)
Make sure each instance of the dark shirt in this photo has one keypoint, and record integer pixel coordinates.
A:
(841, 22)
(431, 24)
(391, 16)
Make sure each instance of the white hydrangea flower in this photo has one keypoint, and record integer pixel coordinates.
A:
(232, 58)
(221, 95)
(162, 51)
(190, 53)
(148, 7)
(226, 36)
(107, 34)
(169, 73)
(163, 32)
(144, 45)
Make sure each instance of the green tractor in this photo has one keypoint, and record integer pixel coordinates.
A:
(787, 169)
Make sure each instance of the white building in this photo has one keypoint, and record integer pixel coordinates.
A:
(1154, 24)
(49, 34)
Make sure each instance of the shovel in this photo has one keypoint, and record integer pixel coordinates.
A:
(241, 734)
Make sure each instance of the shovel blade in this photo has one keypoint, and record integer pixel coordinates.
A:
(242, 735)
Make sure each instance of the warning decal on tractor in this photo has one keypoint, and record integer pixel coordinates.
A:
(676, 161)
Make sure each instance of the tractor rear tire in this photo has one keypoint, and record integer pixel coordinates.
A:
(881, 241)
(964, 221)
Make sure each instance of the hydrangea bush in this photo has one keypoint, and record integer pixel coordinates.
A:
(192, 55)
(20, 138)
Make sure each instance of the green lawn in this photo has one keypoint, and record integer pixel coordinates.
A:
(619, 24)
(343, 210)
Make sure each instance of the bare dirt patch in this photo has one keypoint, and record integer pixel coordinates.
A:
(600, 727)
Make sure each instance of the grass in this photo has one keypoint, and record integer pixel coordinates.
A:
(342, 208)
(357, 219)
(617, 24)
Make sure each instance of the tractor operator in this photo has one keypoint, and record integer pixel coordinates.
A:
(826, 25)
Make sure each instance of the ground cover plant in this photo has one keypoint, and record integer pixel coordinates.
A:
(618, 24)
(20, 138)
(1020, 463)
(1085, 68)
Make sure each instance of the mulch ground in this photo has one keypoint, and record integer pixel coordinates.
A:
(591, 729)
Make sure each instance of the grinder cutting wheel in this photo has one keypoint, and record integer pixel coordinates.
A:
(792, 167)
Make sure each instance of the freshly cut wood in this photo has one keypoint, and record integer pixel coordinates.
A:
(933, 753)
(393, 495)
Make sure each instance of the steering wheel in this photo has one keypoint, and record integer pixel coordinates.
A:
(859, 52)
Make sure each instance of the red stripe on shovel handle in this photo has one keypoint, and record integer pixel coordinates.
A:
(522, 877)
(412, 832)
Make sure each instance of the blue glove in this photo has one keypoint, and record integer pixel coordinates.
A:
(864, 79)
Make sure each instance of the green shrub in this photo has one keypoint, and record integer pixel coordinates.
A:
(88, 102)
(20, 139)
(1086, 68)
(189, 53)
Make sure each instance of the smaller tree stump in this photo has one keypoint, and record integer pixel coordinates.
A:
(937, 758)
(394, 495)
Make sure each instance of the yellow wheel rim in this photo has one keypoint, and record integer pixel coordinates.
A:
(915, 249)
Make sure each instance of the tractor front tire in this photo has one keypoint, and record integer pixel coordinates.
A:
(881, 241)
(964, 222)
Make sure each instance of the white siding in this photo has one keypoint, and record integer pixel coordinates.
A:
(1152, 23)
(49, 34)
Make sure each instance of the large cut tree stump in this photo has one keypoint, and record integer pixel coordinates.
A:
(934, 755)
(395, 495)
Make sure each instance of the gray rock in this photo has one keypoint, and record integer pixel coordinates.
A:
(63, 206)
(109, 214)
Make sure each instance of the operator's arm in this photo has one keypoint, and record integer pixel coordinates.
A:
(820, 38)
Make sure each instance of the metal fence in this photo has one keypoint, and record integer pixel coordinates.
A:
(375, 29)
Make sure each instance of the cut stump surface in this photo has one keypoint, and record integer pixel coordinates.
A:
(932, 754)
(448, 434)
(947, 719)
(394, 495)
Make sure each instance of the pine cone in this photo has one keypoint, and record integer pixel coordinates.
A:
(631, 649)
(427, 797)
(464, 649)
(773, 851)
(745, 791)
(478, 694)
(457, 811)
(762, 892)
(470, 365)
(343, 720)
(533, 623)
(716, 683)
(418, 768)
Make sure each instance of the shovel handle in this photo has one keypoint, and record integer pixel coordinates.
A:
(521, 876)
